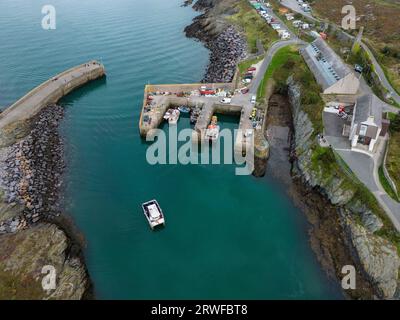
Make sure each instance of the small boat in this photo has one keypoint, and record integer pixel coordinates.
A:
(212, 132)
(168, 114)
(153, 213)
(193, 119)
(174, 117)
(184, 109)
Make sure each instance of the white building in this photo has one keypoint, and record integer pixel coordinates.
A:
(367, 124)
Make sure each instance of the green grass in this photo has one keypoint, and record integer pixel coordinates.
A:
(386, 185)
(253, 25)
(361, 57)
(286, 62)
(280, 58)
(385, 61)
(393, 158)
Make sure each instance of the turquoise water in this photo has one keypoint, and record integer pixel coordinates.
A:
(226, 236)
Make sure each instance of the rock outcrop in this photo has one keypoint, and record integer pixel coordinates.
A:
(377, 258)
(23, 256)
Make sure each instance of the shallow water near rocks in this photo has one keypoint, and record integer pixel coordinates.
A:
(226, 236)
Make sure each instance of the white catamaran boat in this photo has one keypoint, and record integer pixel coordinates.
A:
(153, 213)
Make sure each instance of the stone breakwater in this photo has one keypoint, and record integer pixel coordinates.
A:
(32, 172)
(225, 42)
(226, 51)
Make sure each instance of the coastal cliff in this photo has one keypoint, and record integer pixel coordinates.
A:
(358, 221)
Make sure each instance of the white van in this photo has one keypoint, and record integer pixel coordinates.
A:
(226, 100)
(253, 99)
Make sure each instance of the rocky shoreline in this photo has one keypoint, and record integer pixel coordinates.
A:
(32, 172)
(226, 44)
(31, 181)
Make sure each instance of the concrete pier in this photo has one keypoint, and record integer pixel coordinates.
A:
(15, 121)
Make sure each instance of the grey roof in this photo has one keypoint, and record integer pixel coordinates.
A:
(368, 105)
(325, 64)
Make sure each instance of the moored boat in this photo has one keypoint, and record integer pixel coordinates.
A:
(167, 114)
(212, 131)
(153, 213)
(184, 109)
(174, 117)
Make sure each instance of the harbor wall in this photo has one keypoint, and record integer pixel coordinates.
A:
(16, 120)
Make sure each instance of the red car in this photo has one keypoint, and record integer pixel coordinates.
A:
(251, 69)
(244, 90)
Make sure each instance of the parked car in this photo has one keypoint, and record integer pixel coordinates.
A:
(226, 100)
(251, 69)
(297, 23)
(358, 68)
(275, 26)
(244, 90)
(289, 16)
(285, 35)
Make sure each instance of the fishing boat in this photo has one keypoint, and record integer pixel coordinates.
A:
(153, 213)
(212, 131)
(174, 117)
(194, 115)
(184, 109)
(168, 114)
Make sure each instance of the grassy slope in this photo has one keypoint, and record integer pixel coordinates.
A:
(386, 185)
(393, 160)
(253, 25)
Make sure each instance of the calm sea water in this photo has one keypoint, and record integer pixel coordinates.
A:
(226, 236)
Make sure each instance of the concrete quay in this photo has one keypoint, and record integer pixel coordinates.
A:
(158, 99)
